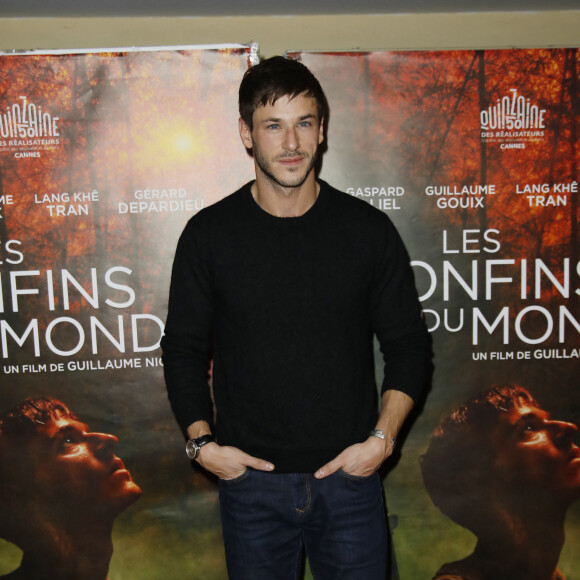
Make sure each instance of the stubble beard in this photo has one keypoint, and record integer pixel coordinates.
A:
(293, 181)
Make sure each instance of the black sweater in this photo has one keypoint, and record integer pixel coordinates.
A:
(287, 308)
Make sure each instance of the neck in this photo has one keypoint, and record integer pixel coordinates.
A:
(67, 555)
(526, 548)
(282, 201)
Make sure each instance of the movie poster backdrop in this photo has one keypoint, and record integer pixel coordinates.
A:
(474, 156)
(104, 156)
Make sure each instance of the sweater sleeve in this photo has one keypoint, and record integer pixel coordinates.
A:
(397, 319)
(186, 343)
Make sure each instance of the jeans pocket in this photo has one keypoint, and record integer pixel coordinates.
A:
(352, 477)
(237, 479)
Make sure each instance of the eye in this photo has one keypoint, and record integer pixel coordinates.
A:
(68, 440)
(305, 124)
(273, 126)
(531, 425)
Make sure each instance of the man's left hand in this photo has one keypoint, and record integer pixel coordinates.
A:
(361, 459)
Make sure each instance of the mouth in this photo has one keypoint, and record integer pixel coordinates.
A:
(118, 468)
(291, 161)
(575, 454)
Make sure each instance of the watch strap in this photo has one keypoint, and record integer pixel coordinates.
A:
(194, 445)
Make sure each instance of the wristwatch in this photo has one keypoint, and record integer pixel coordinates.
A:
(381, 435)
(193, 446)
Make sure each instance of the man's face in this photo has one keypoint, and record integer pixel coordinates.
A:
(78, 467)
(285, 140)
(535, 452)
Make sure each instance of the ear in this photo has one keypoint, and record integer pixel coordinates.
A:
(245, 134)
(321, 131)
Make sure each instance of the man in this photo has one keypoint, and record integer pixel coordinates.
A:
(283, 284)
(502, 468)
(61, 487)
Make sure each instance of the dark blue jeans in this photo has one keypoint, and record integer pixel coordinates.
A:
(268, 519)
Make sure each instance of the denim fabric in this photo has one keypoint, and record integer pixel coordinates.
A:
(269, 519)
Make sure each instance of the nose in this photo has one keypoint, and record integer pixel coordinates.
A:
(104, 443)
(563, 430)
(290, 139)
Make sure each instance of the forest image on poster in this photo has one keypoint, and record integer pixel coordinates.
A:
(474, 156)
(104, 156)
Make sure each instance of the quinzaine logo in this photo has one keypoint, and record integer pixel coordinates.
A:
(24, 125)
(513, 120)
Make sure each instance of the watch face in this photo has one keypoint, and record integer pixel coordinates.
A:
(191, 449)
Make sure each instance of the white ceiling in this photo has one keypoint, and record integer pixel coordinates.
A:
(119, 8)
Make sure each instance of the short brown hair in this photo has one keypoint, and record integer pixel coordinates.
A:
(274, 78)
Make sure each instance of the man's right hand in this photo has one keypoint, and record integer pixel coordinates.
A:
(229, 462)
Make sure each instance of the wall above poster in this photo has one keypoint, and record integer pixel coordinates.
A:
(140, 8)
